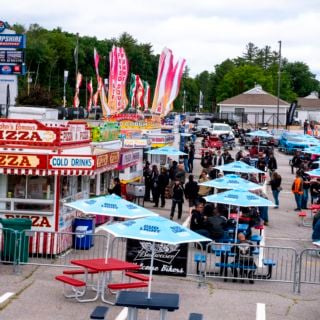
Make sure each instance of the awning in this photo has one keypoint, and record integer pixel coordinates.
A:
(39, 172)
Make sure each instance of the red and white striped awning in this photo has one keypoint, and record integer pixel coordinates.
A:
(40, 172)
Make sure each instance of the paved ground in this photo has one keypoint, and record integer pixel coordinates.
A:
(37, 296)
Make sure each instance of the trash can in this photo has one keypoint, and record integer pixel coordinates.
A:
(83, 228)
(16, 242)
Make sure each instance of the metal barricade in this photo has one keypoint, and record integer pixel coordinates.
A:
(309, 267)
(270, 263)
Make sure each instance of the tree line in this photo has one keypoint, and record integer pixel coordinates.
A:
(49, 53)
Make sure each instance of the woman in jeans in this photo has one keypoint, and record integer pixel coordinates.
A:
(275, 184)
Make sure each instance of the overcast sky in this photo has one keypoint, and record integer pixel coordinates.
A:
(204, 32)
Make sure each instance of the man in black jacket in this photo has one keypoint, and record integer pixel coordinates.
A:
(191, 190)
(177, 199)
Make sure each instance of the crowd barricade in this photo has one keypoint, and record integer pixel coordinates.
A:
(218, 261)
(309, 267)
(204, 262)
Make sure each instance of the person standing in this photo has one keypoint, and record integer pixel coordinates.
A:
(177, 199)
(297, 190)
(163, 181)
(191, 157)
(155, 185)
(191, 190)
(261, 165)
(185, 158)
(275, 184)
(116, 187)
(272, 164)
(147, 180)
(306, 187)
(305, 126)
(203, 190)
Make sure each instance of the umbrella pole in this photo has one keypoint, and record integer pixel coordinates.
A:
(151, 269)
(237, 225)
(108, 242)
(229, 209)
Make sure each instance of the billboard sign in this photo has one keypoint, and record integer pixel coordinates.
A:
(15, 41)
(11, 56)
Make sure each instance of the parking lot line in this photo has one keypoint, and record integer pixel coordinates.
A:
(261, 311)
(6, 296)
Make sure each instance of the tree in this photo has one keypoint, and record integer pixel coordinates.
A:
(303, 82)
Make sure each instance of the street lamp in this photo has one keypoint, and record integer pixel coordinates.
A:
(279, 78)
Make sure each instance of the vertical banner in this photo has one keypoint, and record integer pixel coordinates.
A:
(174, 85)
(146, 98)
(76, 101)
(168, 82)
(100, 90)
(117, 97)
(165, 65)
(139, 93)
(169, 260)
(133, 90)
(90, 89)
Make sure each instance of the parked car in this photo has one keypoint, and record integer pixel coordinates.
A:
(290, 142)
(221, 128)
(202, 127)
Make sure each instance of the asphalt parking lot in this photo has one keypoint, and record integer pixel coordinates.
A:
(35, 294)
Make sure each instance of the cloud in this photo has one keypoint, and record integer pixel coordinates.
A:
(204, 32)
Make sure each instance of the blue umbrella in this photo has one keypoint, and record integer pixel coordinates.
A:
(154, 229)
(110, 205)
(167, 150)
(238, 166)
(259, 133)
(313, 150)
(314, 173)
(239, 198)
(231, 181)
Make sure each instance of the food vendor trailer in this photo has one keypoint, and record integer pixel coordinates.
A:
(42, 166)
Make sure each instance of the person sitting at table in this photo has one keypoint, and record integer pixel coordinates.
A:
(198, 219)
(216, 225)
(253, 151)
(116, 188)
(243, 258)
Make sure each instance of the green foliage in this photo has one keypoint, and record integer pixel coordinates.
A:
(49, 53)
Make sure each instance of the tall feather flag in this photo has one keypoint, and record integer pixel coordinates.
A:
(133, 90)
(175, 77)
(165, 65)
(146, 98)
(90, 89)
(96, 95)
(139, 93)
(100, 91)
(119, 68)
(76, 101)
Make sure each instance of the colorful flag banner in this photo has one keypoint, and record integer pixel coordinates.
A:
(146, 98)
(100, 90)
(117, 97)
(175, 77)
(168, 82)
(133, 90)
(90, 89)
(76, 101)
(165, 65)
(139, 93)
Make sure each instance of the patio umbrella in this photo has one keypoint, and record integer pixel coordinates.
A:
(110, 205)
(260, 134)
(113, 206)
(167, 150)
(238, 166)
(312, 150)
(239, 198)
(154, 229)
(231, 181)
(314, 173)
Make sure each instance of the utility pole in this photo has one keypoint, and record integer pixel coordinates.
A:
(279, 78)
(184, 101)
(65, 78)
